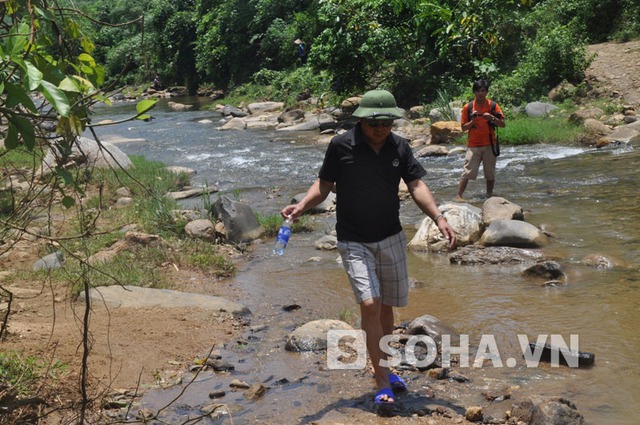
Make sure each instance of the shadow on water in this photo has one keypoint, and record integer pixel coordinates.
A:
(587, 198)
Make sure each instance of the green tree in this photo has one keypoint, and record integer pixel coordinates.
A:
(225, 54)
(173, 28)
(48, 81)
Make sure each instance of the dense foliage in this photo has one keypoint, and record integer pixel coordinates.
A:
(410, 47)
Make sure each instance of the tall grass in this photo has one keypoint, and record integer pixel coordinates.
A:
(527, 130)
(271, 224)
(443, 104)
(152, 212)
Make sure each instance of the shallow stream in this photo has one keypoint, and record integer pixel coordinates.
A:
(588, 198)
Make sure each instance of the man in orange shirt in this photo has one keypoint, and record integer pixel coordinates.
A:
(480, 123)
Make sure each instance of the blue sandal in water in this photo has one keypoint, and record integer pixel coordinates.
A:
(397, 383)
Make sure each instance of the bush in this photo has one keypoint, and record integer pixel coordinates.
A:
(281, 85)
(554, 56)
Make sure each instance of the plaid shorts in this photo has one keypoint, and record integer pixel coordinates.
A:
(378, 269)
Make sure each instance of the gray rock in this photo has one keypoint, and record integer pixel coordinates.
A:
(49, 262)
(465, 219)
(233, 111)
(263, 107)
(513, 233)
(86, 152)
(134, 296)
(497, 208)
(234, 124)
(200, 229)
(476, 254)
(558, 411)
(432, 150)
(547, 270)
(311, 124)
(312, 336)
(624, 134)
(579, 116)
(539, 109)
(433, 327)
(123, 192)
(327, 243)
(240, 222)
(291, 116)
(595, 127)
(325, 206)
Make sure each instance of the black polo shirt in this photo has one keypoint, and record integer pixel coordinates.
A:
(368, 205)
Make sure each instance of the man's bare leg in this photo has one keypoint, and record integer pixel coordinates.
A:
(490, 185)
(371, 312)
(461, 188)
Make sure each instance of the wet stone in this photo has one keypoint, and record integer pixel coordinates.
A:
(217, 394)
(236, 383)
(255, 392)
(219, 365)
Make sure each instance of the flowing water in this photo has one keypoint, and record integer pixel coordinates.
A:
(588, 197)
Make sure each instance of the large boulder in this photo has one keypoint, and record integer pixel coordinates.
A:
(445, 131)
(350, 104)
(261, 122)
(200, 229)
(595, 127)
(579, 116)
(624, 134)
(477, 255)
(497, 208)
(240, 222)
(514, 233)
(539, 109)
(88, 153)
(311, 124)
(432, 150)
(291, 116)
(229, 110)
(234, 124)
(264, 107)
(465, 219)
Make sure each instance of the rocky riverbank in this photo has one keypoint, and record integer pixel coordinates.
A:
(141, 347)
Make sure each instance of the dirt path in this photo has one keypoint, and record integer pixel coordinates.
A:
(616, 69)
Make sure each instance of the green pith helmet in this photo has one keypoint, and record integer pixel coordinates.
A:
(378, 105)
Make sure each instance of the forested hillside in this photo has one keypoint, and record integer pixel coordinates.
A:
(413, 48)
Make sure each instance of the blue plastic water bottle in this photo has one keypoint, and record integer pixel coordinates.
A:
(283, 237)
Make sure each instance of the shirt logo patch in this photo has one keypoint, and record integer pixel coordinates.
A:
(395, 162)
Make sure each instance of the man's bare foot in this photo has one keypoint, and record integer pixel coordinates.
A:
(384, 396)
(459, 198)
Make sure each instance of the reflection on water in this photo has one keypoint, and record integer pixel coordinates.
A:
(587, 198)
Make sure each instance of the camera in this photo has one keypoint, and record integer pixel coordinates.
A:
(474, 114)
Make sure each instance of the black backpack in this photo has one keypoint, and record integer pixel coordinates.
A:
(495, 147)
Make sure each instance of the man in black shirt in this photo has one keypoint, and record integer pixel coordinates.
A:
(366, 165)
